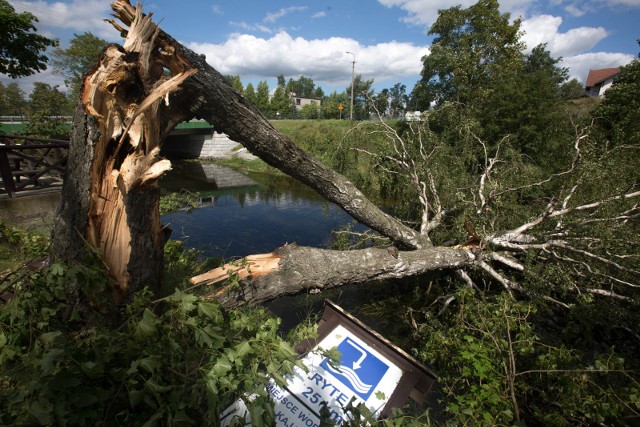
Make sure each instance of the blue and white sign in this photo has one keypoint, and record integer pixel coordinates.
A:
(359, 369)
(362, 375)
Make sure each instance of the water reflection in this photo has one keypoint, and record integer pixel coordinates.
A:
(254, 218)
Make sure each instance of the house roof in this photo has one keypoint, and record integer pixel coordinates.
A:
(598, 76)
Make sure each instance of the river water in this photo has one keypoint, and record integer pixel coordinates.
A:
(242, 214)
(239, 214)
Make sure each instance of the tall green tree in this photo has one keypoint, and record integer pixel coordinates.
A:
(262, 97)
(303, 87)
(572, 89)
(398, 99)
(381, 102)
(329, 108)
(528, 106)
(318, 93)
(235, 82)
(250, 93)
(280, 104)
(362, 96)
(21, 49)
(47, 108)
(74, 61)
(473, 50)
(15, 103)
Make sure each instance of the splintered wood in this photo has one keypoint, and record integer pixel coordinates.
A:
(250, 267)
(128, 95)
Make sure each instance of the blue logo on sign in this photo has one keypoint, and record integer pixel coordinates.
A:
(359, 369)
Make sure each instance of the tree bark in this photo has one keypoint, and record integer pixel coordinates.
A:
(293, 269)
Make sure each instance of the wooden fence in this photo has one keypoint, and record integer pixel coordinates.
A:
(28, 164)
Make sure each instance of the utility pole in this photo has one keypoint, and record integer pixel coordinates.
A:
(353, 77)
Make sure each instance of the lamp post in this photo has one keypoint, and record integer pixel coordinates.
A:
(353, 76)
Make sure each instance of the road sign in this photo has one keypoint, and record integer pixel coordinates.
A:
(340, 107)
(370, 370)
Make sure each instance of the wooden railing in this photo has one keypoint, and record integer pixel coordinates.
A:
(31, 163)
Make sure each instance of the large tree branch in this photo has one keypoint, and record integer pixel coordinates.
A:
(294, 269)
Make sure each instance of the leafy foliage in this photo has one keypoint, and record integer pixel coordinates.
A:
(77, 59)
(496, 369)
(473, 50)
(47, 108)
(12, 100)
(22, 49)
(175, 361)
(176, 201)
(28, 244)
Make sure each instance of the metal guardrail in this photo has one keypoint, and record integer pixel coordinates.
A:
(28, 163)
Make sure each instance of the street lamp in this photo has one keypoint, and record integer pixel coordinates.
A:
(353, 76)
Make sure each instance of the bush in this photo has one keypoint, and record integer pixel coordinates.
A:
(179, 360)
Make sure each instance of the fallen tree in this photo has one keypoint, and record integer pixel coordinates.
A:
(137, 93)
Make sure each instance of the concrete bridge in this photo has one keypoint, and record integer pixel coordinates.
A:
(197, 139)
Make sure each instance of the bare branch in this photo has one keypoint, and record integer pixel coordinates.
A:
(596, 257)
(506, 261)
(604, 292)
(466, 279)
(594, 205)
(508, 285)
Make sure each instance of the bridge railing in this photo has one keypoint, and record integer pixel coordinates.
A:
(28, 163)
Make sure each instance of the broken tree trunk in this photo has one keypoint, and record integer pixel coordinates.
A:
(110, 195)
(132, 99)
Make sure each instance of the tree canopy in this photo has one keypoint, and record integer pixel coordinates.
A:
(473, 50)
(74, 61)
(22, 49)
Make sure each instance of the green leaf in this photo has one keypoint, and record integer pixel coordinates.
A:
(135, 397)
(48, 339)
(92, 369)
(210, 310)
(41, 411)
(157, 388)
(147, 325)
(49, 360)
(380, 395)
(221, 367)
(242, 349)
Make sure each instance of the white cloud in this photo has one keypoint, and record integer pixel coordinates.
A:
(324, 60)
(26, 83)
(579, 65)
(545, 29)
(251, 27)
(217, 9)
(77, 16)
(321, 14)
(274, 16)
(575, 10)
(421, 12)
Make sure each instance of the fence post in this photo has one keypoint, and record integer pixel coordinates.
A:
(7, 176)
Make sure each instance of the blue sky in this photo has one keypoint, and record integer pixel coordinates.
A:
(259, 39)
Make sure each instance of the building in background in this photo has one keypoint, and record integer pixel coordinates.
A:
(600, 80)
